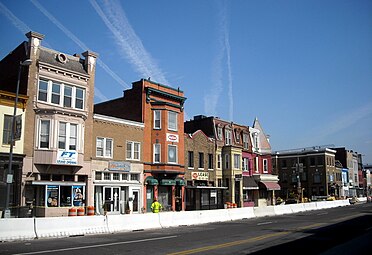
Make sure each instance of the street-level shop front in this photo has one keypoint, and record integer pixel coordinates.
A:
(118, 188)
(167, 189)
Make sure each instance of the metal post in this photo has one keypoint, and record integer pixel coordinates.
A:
(299, 190)
(9, 177)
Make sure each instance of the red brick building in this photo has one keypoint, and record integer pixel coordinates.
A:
(160, 108)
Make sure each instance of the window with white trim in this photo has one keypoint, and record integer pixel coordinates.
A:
(133, 150)
(157, 149)
(172, 153)
(157, 119)
(245, 141)
(44, 134)
(245, 164)
(104, 147)
(7, 129)
(227, 137)
(236, 161)
(61, 94)
(67, 136)
(172, 120)
(219, 132)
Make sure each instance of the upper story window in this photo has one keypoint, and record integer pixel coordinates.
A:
(190, 155)
(157, 147)
(227, 137)
(61, 94)
(157, 119)
(172, 120)
(219, 132)
(172, 153)
(201, 160)
(237, 136)
(236, 161)
(245, 141)
(133, 150)
(67, 136)
(265, 165)
(44, 134)
(219, 161)
(210, 161)
(104, 147)
(245, 164)
(227, 156)
(7, 129)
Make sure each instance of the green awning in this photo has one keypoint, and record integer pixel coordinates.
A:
(151, 181)
(180, 182)
(168, 182)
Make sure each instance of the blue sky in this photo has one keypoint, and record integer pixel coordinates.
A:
(304, 68)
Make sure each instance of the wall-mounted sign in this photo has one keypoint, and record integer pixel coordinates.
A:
(119, 166)
(67, 157)
(172, 138)
(201, 176)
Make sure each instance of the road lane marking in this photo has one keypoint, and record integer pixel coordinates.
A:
(264, 223)
(97, 245)
(250, 240)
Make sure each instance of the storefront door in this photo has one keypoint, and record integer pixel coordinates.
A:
(111, 198)
(149, 197)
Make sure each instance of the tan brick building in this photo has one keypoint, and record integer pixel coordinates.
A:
(202, 190)
(117, 165)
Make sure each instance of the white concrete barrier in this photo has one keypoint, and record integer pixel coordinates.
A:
(264, 211)
(282, 209)
(241, 213)
(184, 218)
(297, 207)
(208, 216)
(70, 226)
(324, 204)
(310, 206)
(17, 229)
(122, 223)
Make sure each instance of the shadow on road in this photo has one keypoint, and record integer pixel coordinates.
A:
(348, 237)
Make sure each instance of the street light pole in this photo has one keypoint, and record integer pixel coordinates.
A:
(299, 189)
(9, 177)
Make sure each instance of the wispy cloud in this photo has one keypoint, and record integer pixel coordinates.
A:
(212, 98)
(129, 44)
(344, 121)
(20, 25)
(83, 46)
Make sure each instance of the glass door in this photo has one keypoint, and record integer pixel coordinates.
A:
(135, 200)
(111, 198)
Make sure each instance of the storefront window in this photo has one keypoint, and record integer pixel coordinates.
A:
(53, 195)
(78, 195)
(65, 195)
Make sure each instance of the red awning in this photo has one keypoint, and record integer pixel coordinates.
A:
(271, 185)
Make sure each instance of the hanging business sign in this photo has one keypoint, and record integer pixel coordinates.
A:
(67, 157)
(172, 138)
(201, 176)
(18, 127)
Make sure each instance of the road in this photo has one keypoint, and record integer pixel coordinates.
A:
(342, 230)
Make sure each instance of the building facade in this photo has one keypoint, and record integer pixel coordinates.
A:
(202, 190)
(160, 108)
(308, 173)
(117, 165)
(244, 156)
(59, 118)
(7, 101)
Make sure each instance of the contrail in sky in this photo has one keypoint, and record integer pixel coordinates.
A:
(82, 45)
(15, 21)
(212, 98)
(130, 45)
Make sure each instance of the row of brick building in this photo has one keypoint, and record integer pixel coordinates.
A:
(120, 154)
